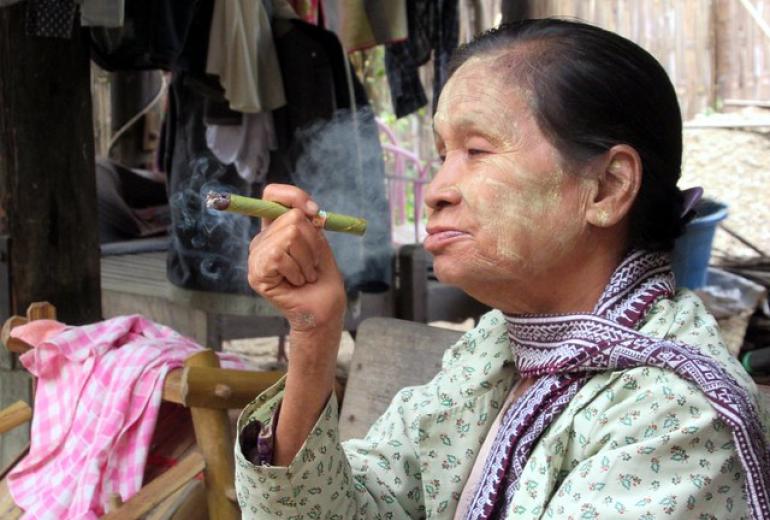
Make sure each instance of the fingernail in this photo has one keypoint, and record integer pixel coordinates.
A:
(312, 207)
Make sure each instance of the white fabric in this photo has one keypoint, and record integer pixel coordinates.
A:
(247, 145)
(242, 53)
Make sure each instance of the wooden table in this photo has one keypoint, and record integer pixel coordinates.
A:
(137, 284)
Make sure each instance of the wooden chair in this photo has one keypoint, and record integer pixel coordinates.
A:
(208, 391)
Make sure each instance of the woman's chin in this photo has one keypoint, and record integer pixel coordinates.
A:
(449, 271)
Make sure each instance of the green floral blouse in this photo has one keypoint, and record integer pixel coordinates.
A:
(639, 443)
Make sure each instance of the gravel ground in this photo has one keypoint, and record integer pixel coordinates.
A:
(733, 166)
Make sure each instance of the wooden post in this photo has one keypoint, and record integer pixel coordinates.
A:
(212, 433)
(47, 180)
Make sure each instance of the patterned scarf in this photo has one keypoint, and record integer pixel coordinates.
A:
(563, 351)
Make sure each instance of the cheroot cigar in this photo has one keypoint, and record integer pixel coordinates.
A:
(272, 210)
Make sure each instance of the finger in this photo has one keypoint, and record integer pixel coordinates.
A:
(293, 217)
(255, 242)
(291, 270)
(314, 238)
(300, 239)
(270, 268)
(301, 251)
(291, 197)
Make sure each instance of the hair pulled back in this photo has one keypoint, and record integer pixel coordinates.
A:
(591, 90)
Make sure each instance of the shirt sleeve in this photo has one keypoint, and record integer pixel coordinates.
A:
(374, 477)
(258, 440)
(649, 446)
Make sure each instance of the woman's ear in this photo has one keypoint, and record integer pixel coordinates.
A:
(620, 175)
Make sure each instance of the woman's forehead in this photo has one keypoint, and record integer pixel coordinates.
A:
(475, 98)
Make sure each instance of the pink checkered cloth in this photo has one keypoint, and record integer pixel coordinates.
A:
(98, 394)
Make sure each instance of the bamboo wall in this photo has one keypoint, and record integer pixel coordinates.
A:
(743, 51)
(712, 49)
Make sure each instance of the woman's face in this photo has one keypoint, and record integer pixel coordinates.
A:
(504, 214)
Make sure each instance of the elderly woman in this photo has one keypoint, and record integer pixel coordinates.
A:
(594, 390)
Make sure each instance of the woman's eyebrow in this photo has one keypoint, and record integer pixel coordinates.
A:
(467, 125)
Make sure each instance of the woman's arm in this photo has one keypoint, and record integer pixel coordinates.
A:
(325, 479)
(309, 384)
(292, 266)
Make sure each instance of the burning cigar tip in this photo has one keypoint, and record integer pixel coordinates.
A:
(220, 201)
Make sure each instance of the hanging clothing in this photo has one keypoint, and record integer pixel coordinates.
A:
(102, 13)
(433, 28)
(363, 24)
(242, 54)
(96, 405)
(632, 440)
(50, 18)
(329, 146)
(248, 142)
(247, 145)
(153, 35)
(208, 249)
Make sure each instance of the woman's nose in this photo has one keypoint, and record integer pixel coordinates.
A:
(442, 190)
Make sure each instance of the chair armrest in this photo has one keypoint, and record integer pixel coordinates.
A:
(15, 415)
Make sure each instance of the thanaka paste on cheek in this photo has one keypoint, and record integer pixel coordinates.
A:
(519, 202)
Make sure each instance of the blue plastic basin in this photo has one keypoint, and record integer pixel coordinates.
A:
(693, 249)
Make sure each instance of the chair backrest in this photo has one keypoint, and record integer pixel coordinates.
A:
(389, 355)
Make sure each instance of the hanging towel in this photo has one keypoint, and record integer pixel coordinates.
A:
(248, 145)
(98, 394)
(241, 52)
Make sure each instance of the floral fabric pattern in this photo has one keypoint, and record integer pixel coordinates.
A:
(639, 443)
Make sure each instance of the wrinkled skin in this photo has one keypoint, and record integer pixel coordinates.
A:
(506, 219)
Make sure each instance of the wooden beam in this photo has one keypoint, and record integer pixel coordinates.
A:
(47, 177)
(16, 414)
(172, 386)
(223, 389)
(13, 344)
(159, 489)
(212, 432)
(41, 311)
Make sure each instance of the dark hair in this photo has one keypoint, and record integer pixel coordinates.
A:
(593, 89)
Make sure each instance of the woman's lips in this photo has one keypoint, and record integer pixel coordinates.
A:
(437, 239)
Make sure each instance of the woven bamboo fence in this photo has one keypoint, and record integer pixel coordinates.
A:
(713, 50)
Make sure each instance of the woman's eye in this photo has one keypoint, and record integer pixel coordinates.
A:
(476, 151)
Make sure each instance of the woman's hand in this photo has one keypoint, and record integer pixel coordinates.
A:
(292, 266)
